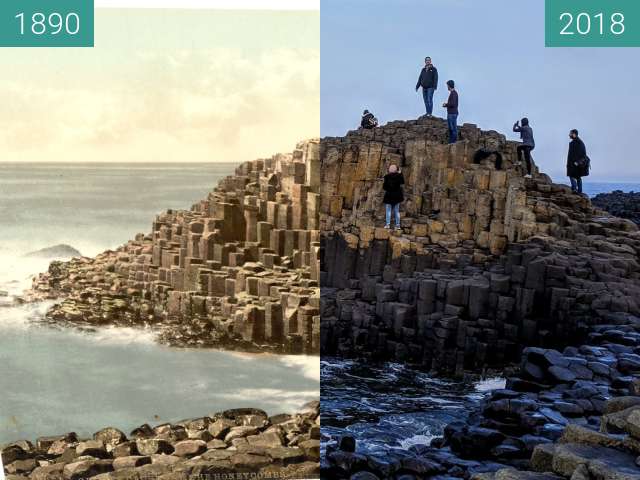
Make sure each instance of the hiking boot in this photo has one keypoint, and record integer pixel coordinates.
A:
(387, 226)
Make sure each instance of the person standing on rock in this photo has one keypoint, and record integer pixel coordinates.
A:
(577, 161)
(428, 80)
(528, 143)
(393, 195)
(452, 111)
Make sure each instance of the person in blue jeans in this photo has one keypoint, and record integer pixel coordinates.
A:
(452, 111)
(428, 80)
(393, 195)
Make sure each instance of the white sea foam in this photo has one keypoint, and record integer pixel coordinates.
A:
(419, 439)
(119, 336)
(310, 365)
(489, 384)
(284, 401)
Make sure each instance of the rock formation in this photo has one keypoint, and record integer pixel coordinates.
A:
(487, 263)
(56, 251)
(240, 269)
(243, 441)
(489, 267)
(620, 204)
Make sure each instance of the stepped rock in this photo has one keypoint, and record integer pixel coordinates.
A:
(240, 269)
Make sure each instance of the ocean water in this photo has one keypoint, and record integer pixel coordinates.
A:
(54, 380)
(594, 188)
(390, 406)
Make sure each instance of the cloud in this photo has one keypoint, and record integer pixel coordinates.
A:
(196, 105)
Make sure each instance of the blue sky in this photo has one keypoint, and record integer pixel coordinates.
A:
(372, 51)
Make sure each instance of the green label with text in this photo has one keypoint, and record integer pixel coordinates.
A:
(46, 23)
(592, 23)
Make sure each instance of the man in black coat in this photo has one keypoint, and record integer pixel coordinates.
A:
(577, 163)
(428, 80)
(393, 195)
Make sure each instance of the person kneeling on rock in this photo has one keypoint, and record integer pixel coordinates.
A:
(368, 120)
(393, 195)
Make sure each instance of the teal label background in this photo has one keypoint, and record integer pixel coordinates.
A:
(553, 25)
(10, 25)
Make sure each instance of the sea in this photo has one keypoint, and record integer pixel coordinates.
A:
(57, 380)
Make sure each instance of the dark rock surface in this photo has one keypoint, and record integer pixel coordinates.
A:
(621, 204)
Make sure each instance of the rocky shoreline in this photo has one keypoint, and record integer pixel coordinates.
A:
(620, 204)
(239, 270)
(561, 413)
(489, 270)
(237, 443)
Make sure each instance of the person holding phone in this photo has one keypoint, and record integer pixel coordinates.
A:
(452, 111)
(528, 143)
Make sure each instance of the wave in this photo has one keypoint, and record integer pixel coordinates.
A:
(489, 384)
(284, 401)
(310, 365)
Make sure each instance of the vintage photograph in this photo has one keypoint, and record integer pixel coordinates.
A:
(159, 237)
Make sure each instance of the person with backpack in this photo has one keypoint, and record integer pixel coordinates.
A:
(452, 111)
(393, 195)
(578, 163)
(528, 143)
(368, 120)
(428, 80)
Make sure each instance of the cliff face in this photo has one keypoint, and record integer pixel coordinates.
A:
(240, 268)
(487, 261)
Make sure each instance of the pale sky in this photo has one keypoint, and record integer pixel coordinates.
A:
(166, 86)
(372, 52)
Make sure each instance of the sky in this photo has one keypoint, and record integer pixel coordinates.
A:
(372, 52)
(166, 85)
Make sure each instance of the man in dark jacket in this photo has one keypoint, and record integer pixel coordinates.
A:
(452, 111)
(576, 161)
(428, 80)
(368, 120)
(393, 195)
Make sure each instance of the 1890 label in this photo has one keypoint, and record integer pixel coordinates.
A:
(47, 23)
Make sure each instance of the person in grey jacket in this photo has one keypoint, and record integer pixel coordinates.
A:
(528, 143)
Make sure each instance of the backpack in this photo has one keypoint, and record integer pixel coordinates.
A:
(584, 164)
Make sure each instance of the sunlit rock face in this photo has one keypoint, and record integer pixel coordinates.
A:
(486, 261)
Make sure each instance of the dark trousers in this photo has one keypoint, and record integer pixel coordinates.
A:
(427, 95)
(452, 121)
(576, 184)
(525, 150)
